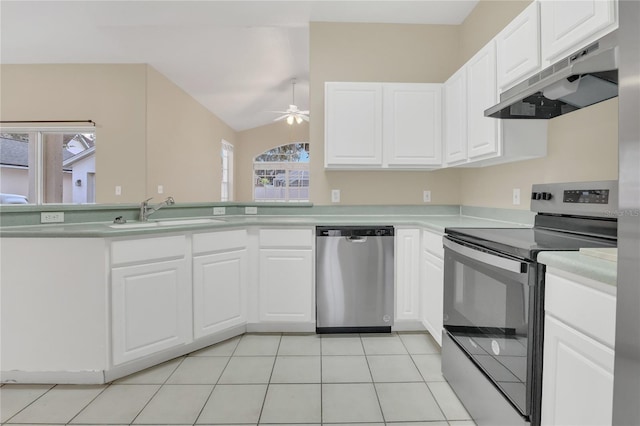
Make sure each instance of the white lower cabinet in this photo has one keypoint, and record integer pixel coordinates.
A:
(151, 305)
(286, 290)
(431, 295)
(577, 382)
(407, 242)
(286, 285)
(220, 275)
(219, 291)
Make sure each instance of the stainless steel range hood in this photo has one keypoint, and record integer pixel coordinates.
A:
(584, 78)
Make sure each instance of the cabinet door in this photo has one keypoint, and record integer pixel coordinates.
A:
(482, 139)
(407, 274)
(432, 295)
(518, 48)
(412, 124)
(353, 124)
(577, 381)
(455, 118)
(286, 285)
(219, 291)
(151, 308)
(567, 26)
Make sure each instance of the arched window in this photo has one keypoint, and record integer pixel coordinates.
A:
(282, 174)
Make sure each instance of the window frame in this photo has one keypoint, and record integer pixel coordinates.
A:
(38, 146)
(287, 167)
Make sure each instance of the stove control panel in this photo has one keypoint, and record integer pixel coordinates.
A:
(595, 198)
(590, 196)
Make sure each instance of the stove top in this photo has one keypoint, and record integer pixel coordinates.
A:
(526, 243)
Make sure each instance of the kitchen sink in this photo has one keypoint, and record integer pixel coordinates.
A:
(178, 222)
(164, 222)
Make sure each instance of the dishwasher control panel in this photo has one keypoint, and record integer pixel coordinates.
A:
(354, 231)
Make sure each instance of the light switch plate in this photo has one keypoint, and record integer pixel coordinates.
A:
(51, 217)
(335, 195)
(219, 211)
(160, 189)
(426, 196)
(118, 190)
(251, 210)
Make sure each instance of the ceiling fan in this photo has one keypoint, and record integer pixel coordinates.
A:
(293, 113)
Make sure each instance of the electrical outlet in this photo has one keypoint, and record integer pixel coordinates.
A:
(219, 211)
(426, 196)
(118, 190)
(250, 210)
(335, 195)
(516, 196)
(51, 217)
(160, 189)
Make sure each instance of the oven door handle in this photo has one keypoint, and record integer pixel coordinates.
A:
(490, 259)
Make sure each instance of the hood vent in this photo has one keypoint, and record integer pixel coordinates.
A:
(579, 80)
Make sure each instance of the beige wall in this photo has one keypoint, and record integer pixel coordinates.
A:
(114, 96)
(582, 146)
(148, 131)
(254, 142)
(377, 52)
(184, 141)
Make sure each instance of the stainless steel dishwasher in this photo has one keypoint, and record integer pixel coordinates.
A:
(354, 279)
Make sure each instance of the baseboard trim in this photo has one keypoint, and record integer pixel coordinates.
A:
(54, 377)
(282, 327)
(407, 325)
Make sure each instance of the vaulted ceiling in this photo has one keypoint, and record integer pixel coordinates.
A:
(237, 58)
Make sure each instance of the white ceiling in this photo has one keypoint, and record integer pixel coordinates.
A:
(236, 58)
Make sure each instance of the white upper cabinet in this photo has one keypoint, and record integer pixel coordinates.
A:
(567, 26)
(483, 137)
(412, 124)
(455, 118)
(353, 124)
(518, 48)
(383, 125)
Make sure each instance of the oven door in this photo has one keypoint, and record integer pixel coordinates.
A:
(488, 306)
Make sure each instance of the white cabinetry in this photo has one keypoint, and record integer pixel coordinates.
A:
(473, 140)
(577, 383)
(412, 124)
(482, 132)
(407, 243)
(219, 281)
(432, 281)
(567, 26)
(353, 124)
(518, 48)
(151, 296)
(383, 125)
(286, 291)
(455, 118)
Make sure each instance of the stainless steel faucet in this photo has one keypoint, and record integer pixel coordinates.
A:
(146, 210)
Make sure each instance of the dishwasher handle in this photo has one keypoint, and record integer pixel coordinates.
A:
(356, 239)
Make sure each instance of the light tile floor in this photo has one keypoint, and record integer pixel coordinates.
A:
(262, 379)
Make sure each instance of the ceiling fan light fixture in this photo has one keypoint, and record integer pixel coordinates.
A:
(293, 114)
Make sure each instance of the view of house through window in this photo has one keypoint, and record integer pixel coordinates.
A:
(226, 186)
(40, 166)
(282, 174)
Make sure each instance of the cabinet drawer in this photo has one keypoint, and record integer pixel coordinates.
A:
(286, 238)
(219, 241)
(146, 249)
(432, 242)
(583, 307)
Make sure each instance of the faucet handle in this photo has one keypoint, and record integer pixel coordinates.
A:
(147, 200)
(170, 201)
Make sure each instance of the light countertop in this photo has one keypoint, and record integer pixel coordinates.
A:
(589, 263)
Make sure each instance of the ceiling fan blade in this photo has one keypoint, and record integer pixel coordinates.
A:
(303, 112)
(305, 117)
(279, 112)
(281, 117)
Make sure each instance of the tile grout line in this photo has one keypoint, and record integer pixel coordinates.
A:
(29, 404)
(373, 383)
(217, 382)
(89, 403)
(157, 391)
(264, 401)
